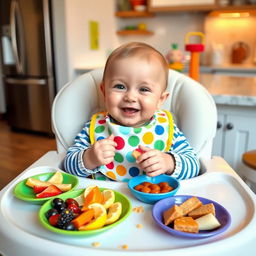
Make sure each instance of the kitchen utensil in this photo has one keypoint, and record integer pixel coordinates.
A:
(239, 52)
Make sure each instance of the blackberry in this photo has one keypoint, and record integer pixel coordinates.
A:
(65, 217)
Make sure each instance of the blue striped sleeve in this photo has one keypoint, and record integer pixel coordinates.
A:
(186, 161)
(73, 161)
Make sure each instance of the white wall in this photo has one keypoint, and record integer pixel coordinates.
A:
(78, 15)
(168, 28)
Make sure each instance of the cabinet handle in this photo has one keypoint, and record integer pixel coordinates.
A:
(230, 126)
(219, 125)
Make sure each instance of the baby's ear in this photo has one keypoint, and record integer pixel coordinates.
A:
(163, 98)
(102, 88)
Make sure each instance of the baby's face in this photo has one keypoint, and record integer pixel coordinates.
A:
(134, 89)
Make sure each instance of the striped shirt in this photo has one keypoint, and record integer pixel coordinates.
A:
(186, 161)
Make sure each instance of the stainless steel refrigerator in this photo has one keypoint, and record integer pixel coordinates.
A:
(27, 63)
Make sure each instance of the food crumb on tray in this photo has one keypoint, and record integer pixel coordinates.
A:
(139, 226)
(138, 209)
(124, 247)
(96, 244)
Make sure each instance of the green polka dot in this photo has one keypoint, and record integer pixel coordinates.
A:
(118, 158)
(109, 131)
(134, 141)
(100, 129)
(137, 130)
(159, 144)
(101, 178)
(148, 126)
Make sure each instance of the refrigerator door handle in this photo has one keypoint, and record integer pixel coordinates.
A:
(25, 81)
(13, 11)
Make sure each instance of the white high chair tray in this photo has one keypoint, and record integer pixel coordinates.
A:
(22, 234)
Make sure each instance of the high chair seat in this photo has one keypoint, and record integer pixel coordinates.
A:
(192, 106)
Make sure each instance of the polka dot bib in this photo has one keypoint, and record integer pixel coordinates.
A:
(157, 134)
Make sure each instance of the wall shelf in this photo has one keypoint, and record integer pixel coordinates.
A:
(134, 32)
(134, 14)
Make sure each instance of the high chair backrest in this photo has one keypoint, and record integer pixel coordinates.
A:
(192, 106)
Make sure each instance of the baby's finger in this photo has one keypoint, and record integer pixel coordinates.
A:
(146, 155)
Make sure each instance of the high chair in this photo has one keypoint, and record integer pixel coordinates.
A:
(193, 108)
(21, 232)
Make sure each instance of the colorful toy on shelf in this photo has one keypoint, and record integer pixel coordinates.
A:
(194, 50)
(175, 58)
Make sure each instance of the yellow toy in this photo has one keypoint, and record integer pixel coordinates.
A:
(195, 50)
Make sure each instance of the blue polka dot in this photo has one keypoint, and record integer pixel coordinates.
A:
(134, 171)
(159, 130)
(101, 138)
(124, 130)
(129, 157)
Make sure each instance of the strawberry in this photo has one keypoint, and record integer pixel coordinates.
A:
(52, 190)
(38, 189)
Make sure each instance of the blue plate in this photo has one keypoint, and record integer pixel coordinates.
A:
(221, 214)
(153, 198)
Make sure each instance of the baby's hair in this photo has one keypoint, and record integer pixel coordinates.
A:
(140, 50)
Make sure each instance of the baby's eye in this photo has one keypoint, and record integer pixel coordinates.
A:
(144, 89)
(119, 86)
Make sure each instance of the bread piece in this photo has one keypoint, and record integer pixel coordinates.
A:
(208, 222)
(136, 153)
(186, 224)
(202, 210)
(190, 204)
(171, 214)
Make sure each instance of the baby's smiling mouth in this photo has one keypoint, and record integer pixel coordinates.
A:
(130, 110)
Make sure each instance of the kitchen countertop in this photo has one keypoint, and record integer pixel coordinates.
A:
(230, 90)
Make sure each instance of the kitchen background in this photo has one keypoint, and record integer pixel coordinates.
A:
(86, 31)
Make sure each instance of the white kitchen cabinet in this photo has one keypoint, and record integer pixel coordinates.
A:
(236, 133)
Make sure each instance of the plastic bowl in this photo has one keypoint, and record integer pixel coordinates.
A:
(153, 198)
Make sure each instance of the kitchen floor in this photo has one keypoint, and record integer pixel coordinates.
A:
(19, 150)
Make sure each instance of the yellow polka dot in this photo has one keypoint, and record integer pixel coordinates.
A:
(161, 119)
(148, 137)
(121, 170)
(111, 175)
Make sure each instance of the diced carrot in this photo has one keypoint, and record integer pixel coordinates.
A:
(83, 218)
(94, 196)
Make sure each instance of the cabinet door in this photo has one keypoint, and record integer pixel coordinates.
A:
(217, 149)
(240, 136)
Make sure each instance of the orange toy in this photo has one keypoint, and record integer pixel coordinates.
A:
(195, 50)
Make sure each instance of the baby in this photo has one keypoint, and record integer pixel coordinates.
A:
(134, 88)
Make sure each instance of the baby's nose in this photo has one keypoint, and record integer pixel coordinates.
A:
(130, 97)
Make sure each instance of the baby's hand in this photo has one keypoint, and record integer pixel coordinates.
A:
(155, 162)
(102, 152)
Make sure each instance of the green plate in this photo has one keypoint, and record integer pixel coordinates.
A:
(26, 193)
(119, 197)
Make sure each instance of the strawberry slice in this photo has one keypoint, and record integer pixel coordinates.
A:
(51, 190)
(38, 189)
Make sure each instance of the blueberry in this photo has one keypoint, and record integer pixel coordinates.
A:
(58, 204)
(51, 212)
(69, 226)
